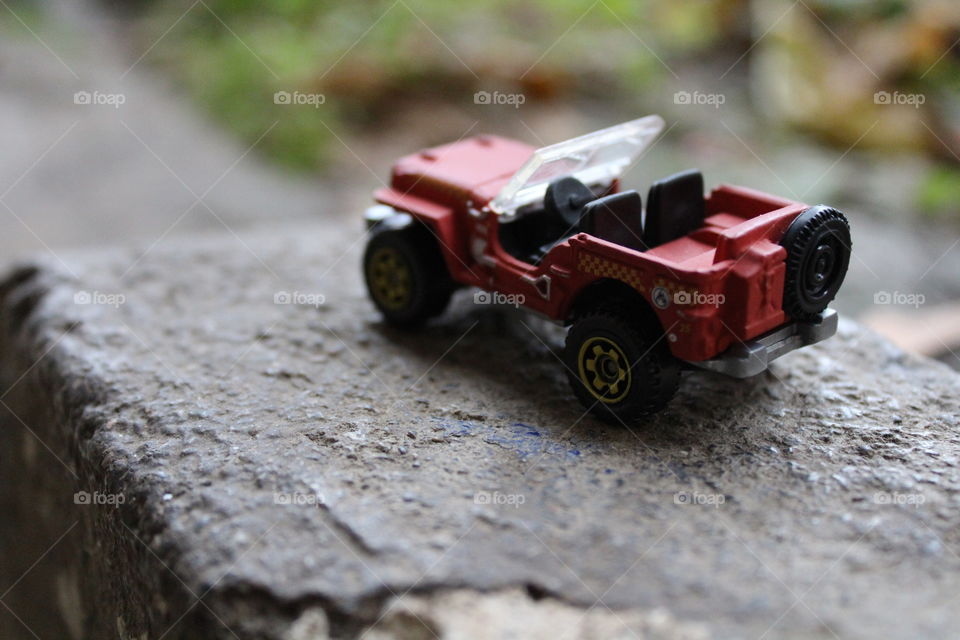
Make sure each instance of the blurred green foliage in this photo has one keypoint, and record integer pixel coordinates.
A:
(817, 67)
(870, 74)
(365, 57)
(883, 73)
(27, 11)
(939, 194)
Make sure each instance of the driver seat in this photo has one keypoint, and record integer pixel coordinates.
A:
(563, 202)
(565, 198)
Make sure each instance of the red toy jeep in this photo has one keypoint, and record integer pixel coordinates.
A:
(725, 281)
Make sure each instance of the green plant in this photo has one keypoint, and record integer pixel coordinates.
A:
(233, 55)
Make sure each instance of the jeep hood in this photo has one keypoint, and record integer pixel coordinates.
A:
(507, 175)
(472, 169)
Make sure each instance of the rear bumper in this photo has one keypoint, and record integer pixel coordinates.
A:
(753, 357)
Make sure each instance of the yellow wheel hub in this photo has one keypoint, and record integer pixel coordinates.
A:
(604, 369)
(390, 277)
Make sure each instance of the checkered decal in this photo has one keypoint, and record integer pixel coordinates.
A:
(598, 266)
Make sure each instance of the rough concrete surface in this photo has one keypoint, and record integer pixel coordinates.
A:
(300, 468)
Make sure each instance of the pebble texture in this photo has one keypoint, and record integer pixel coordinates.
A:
(303, 470)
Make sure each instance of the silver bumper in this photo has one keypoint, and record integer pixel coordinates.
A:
(753, 357)
(386, 216)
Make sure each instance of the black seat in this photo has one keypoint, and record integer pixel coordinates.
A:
(562, 202)
(565, 198)
(616, 218)
(675, 207)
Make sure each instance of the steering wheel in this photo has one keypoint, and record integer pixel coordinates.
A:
(565, 197)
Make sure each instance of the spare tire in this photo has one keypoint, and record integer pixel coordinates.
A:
(818, 253)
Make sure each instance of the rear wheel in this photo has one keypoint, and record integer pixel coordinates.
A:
(617, 371)
(406, 277)
(818, 254)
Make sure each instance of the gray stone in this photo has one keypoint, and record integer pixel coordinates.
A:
(304, 470)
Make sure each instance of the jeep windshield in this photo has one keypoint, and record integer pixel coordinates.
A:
(594, 158)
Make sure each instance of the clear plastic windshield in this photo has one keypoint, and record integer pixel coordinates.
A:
(594, 158)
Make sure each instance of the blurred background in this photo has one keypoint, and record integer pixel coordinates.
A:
(135, 122)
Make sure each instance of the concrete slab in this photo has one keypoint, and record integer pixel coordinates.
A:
(296, 466)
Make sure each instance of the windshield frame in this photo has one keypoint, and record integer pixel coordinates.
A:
(594, 158)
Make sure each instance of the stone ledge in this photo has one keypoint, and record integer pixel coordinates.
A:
(280, 459)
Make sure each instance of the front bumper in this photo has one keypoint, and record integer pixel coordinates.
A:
(753, 357)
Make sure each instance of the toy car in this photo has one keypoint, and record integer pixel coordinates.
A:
(725, 281)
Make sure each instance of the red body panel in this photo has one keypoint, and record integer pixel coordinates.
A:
(453, 174)
(733, 259)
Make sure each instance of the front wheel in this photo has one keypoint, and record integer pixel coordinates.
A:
(406, 277)
(617, 371)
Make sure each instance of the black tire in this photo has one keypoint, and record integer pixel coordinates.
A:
(619, 369)
(818, 248)
(406, 276)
